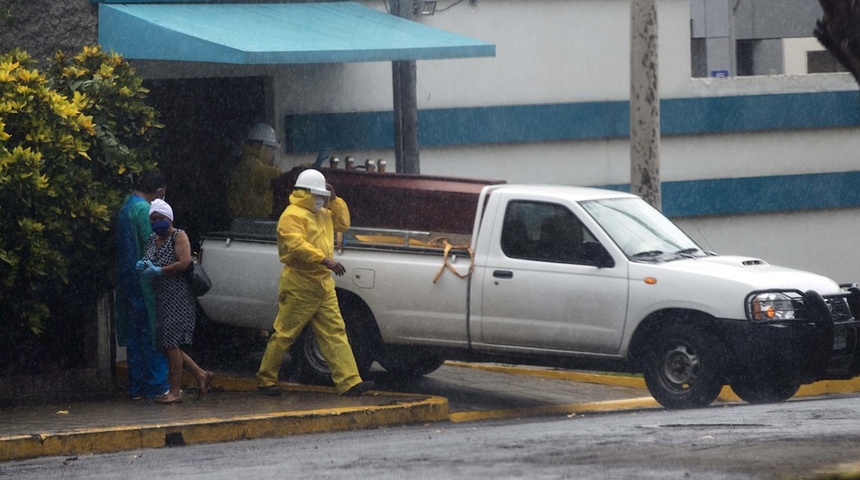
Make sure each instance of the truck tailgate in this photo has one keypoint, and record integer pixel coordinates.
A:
(244, 282)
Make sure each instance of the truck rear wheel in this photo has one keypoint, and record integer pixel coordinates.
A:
(409, 361)
(758, 389)
(309, 364)
(682, 369)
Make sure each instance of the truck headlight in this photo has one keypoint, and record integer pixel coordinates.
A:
(773, 306)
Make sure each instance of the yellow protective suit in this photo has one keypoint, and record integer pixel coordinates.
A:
(307, 292)
(250, 191)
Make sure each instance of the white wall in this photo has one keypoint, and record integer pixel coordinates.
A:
(546, 52)
(822, 241)
(794, 54)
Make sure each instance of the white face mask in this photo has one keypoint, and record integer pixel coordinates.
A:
(319, 203)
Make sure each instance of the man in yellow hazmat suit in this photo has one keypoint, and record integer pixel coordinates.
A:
(250, 190)
(306, 247)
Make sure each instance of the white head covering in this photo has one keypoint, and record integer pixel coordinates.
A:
(160, 206)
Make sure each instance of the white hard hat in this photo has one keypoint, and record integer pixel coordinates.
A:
(264, 134)
(314, 181)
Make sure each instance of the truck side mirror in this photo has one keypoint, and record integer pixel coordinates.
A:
(593, 253)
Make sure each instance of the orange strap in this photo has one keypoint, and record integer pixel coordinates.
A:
(443, 242)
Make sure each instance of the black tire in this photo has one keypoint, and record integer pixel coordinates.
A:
(409, 361)
(309, 365)
(757, 389)
(683, 368)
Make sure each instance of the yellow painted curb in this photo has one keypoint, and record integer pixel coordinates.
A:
(616, 380)
(568, 409)
(824, 387)
(129, 437)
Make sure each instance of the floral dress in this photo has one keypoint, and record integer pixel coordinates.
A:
(174, 306)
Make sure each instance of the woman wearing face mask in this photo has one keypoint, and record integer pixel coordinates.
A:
(166, 262)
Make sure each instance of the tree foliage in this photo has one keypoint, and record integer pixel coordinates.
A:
(68, 140)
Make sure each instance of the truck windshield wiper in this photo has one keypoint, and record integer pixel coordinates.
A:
(649, 253)
(687, 251)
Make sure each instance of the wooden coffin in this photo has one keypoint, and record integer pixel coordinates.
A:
(398, 200)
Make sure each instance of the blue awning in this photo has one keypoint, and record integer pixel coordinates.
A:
(275, 33)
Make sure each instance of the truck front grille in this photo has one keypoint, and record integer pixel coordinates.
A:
(838, 306)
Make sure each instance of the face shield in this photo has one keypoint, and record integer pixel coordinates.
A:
(267, 154)
(262, 152)
(319, 202)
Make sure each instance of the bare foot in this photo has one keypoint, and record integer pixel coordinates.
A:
(204, 384)
(168, 399)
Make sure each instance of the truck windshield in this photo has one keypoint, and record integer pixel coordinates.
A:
(640, 230)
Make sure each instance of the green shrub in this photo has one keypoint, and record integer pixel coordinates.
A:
(126, 128)
(68, 141)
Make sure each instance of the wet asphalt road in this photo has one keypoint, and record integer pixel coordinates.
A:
(797, 439)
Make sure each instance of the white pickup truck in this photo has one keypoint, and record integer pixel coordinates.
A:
(562, 276)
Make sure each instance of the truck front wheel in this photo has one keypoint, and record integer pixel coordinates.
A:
(682, 369)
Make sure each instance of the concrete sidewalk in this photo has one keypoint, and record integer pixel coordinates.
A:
(234, 410)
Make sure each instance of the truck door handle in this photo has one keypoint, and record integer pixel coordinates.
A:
(503, 274)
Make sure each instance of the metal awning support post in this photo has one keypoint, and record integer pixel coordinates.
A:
(404, 80)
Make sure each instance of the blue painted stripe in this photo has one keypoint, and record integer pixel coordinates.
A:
(779, 193)
(574, 121)
(760, 112)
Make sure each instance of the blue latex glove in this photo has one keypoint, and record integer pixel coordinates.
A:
(151, 270)
(140, 266)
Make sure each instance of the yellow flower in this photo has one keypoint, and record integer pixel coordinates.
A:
(73, 71)
(62, 106)
(37, 136)
(88, 51)
(86, 122)
(105, 70)
(10, 106)
(80, 100)
(6, 70)
(25, 75)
